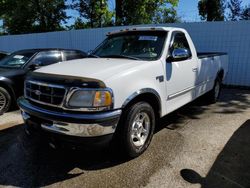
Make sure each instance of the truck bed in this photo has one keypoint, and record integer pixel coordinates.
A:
(202, 55)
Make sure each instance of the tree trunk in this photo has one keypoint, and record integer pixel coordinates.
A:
(118, 12)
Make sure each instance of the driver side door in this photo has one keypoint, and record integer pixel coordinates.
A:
(180, 73)
(45, 58)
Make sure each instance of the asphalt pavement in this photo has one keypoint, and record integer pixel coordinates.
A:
(200, 145)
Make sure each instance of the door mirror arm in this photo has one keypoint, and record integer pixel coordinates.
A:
(35, 65)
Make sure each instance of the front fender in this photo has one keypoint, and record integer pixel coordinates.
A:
(8, 84)
(144, 79)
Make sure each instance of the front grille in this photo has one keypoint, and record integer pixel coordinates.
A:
(44, 93)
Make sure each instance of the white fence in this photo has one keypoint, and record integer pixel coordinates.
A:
(230, 37)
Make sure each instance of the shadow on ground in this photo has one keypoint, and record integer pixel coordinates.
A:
(29, 162)
(232, 166)
(231, 101)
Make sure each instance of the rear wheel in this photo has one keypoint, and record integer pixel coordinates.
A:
(214, 94)
(137, 129)
(5, 100)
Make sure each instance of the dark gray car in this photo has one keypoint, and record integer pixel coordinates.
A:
(3, 54)
(14, 67)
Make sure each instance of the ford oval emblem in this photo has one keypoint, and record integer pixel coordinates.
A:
(37, 92)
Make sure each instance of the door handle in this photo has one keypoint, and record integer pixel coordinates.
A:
(195, 69)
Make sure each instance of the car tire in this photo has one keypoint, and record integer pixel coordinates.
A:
(214, 94)
(5, 100)
(136, 129)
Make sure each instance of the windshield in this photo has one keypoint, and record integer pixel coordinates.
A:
(16, 60)
(144, 45)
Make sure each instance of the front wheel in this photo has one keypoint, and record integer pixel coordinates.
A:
(137, 129)
(5, 100)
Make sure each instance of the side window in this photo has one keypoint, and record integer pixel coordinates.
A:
(70, 55)
(2, 56)
(179, 41)
(47, 58)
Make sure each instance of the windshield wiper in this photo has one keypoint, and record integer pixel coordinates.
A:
(121, 56)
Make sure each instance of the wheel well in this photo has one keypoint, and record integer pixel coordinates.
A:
(220, 74)
(5, 86)
(150, 98)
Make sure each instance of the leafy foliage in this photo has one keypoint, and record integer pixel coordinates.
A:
(235, 9)
(93, 13)
(145, 11)
(16, 16)
(246, 14)
(28, 16)
(49, 14)
(211, 10)
(167, 15)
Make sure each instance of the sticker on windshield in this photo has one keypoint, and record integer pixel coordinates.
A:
(149, 38)
(18, 56)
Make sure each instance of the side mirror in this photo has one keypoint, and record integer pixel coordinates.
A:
(35, 65)
(179, 54)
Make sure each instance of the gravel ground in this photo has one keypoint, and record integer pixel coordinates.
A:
(199, 145)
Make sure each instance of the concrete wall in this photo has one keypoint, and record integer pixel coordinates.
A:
(230, 37)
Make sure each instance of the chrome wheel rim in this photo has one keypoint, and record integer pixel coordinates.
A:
(3, 101)
(140, 129)
(217, 90)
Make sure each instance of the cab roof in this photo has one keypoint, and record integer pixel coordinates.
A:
(133, 29)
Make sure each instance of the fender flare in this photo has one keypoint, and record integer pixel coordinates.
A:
(143, 91)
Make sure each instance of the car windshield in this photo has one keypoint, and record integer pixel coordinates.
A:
(144, 45)
(16, 60)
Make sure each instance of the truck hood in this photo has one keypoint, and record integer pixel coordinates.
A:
(95, 68)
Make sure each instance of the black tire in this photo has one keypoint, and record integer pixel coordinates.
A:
(214, 94)
(5, 100)
(130, 146)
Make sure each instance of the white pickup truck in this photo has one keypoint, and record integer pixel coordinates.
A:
(134, 77)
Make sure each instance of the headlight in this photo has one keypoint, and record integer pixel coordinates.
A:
(90, 99)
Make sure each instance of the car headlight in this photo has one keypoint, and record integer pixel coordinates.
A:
(90, 99)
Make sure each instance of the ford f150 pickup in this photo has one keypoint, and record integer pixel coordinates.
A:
(132, 79)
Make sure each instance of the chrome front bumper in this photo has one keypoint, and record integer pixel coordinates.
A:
(72, 124)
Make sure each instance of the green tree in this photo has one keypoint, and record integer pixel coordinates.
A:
(93, 13)
(16, 16)
(211, 10)
(129, 12)
(78, 24)
(245, 13)
(235, 10)
(28, 16)
(167, 15)
(118, 12)
(49, 15)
